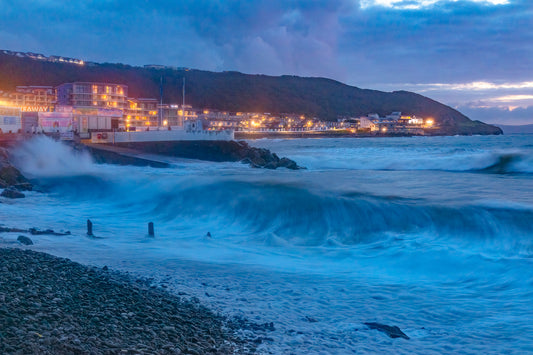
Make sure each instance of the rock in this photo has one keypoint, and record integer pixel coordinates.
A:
(288, 163)
(12, 193)
(24, 186)
(35, 231)
(391, 331)
(24, 240)
(271, 165)
(11, 176)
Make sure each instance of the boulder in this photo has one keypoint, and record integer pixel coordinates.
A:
(12, 193)
(288, 163)
(24, 240)
(391, 331)
(11, 176)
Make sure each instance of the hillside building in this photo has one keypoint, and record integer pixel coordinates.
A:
(34, 98)
(140, 113)
(96, 95)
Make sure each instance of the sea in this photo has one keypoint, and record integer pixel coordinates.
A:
(433, 235)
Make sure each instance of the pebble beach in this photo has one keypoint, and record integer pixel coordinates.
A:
(51, 305)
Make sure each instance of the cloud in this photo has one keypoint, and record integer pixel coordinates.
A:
(476, 85)
(474, 48)
(419, 4)
(510, 98)
(501, 115)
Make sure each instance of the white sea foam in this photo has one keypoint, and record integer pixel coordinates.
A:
(42, 156)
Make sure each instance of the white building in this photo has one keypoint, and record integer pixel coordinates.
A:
(10, 120)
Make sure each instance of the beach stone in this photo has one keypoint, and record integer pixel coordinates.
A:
(391, 331)
(24, 240)
(12, 193)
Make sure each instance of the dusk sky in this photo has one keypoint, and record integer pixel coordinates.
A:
(474, 55)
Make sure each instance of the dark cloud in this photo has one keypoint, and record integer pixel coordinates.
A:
(448, 42)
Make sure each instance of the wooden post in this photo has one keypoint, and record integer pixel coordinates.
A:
(89, 228)
(151, 229)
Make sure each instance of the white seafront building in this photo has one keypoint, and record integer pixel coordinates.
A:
(190, 131)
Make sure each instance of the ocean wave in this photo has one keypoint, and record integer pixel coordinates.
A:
(274, 213)
(454, 160)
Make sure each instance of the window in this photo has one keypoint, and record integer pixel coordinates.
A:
(8, 120)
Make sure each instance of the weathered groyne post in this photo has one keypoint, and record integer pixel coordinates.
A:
(90, 228)
(151, 229)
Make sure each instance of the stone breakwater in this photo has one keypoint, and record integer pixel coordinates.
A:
(51, 305)
(217, 151)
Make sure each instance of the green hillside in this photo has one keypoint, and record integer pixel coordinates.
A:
(232, 91)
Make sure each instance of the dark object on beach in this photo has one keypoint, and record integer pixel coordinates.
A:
(151, 229)
(90, 228)
(24, 240)
(12, 193)
(208, 235)
(391, 331)
(12, 230)
(35, 231)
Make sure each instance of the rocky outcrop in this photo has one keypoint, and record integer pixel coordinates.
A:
(11, 177)
(12, 193)
(263, 158)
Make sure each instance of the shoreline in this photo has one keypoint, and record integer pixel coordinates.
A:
(52, 305)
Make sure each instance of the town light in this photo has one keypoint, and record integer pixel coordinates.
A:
(165, 122)
(429, 122)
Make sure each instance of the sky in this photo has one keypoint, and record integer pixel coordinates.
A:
(474, 55)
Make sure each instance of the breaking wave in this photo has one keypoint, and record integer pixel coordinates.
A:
(42, 156)
(274, 213)
(502, 162)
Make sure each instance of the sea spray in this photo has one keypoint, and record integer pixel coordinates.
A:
(42, 156)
